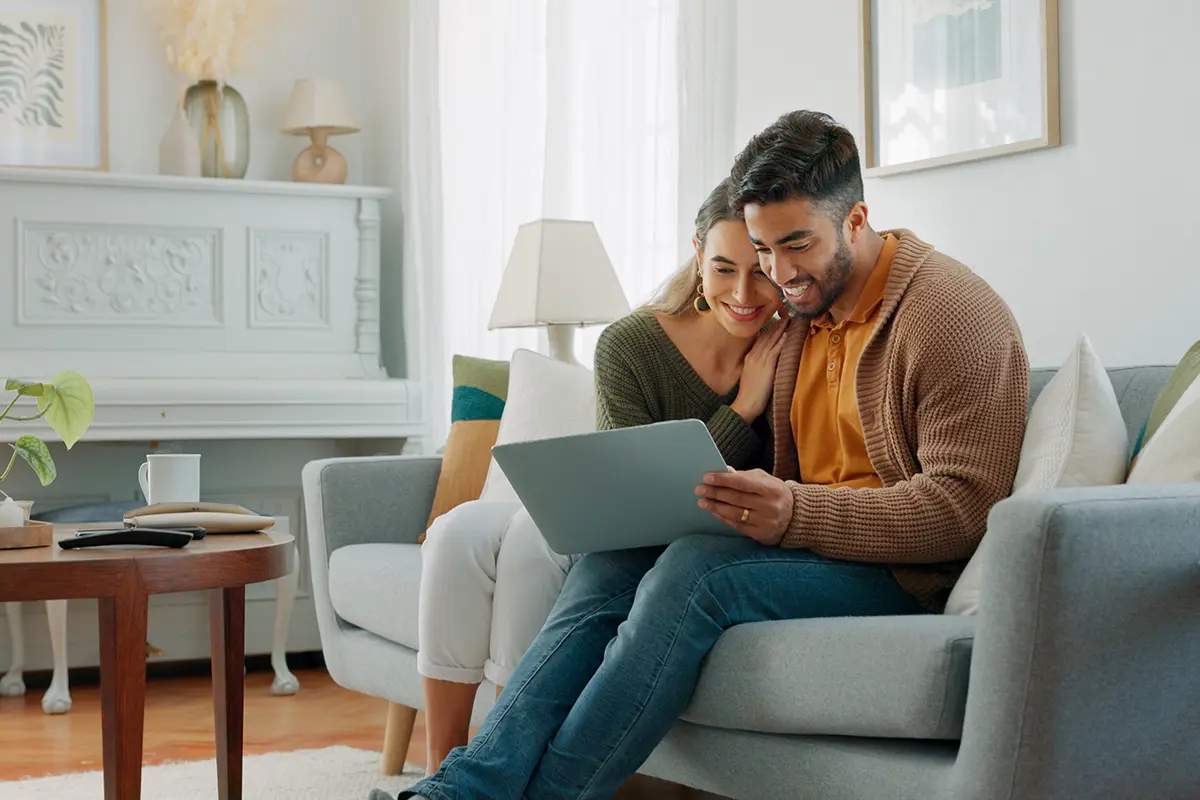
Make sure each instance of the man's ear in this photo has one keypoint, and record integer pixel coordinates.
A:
(856, 221)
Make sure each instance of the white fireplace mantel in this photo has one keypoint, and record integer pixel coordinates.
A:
(200, 308)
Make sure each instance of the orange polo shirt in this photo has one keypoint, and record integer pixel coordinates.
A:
(825, 420)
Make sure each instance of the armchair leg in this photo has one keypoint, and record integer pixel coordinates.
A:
(397, 736)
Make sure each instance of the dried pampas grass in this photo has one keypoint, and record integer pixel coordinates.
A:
(210, 39)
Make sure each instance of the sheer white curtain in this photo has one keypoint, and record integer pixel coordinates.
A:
(614, 111)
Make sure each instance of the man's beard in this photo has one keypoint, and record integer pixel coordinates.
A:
(837, 275)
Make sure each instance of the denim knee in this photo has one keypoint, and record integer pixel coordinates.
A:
(595, 580)
(690, 558)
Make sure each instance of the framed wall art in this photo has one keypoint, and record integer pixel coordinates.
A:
(53, 84)
(947, 81)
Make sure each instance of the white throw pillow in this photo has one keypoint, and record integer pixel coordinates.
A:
(1173, 455)
(1075, 437)
(546, 398)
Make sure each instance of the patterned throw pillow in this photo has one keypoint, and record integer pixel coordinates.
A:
(1167, 451)
(480, 392)
(1183, 376)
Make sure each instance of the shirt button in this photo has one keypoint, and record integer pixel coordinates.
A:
(835, 338)
(832, 366)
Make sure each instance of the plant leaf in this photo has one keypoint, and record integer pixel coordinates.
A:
(24, 387)
(70, 407)
(37, 456)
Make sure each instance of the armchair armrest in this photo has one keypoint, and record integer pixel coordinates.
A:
(369, 500)
(358, 501)
(1084, 679)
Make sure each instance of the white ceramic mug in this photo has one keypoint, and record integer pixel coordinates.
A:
(170, 478)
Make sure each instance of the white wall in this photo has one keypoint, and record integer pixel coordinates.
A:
(309, 38)
(1096, 236)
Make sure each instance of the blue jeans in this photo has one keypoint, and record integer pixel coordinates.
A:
(619, 657)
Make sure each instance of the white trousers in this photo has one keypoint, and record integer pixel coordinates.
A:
(488, 582)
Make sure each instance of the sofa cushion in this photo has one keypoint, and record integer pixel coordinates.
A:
(900, 677)
(1184, 375)
(375, 586)
(546, 398)
(1075, 437)
(1170, 454)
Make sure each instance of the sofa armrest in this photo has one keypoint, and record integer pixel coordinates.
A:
(1084, 675)
(384, 499)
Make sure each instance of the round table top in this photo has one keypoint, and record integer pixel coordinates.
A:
(219, 560)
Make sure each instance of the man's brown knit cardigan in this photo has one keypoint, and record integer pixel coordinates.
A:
(943, 387)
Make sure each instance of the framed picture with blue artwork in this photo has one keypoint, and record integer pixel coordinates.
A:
(53, 84)
(948, 81)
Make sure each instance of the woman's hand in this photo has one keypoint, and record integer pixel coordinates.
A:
(758, 373)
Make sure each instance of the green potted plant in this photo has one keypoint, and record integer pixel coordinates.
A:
(66, 404)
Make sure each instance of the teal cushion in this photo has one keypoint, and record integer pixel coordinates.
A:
(480, 388)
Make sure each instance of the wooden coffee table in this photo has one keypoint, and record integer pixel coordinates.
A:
(123, 580)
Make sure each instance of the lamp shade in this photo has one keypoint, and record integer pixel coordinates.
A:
(558, 273)
(318, 103)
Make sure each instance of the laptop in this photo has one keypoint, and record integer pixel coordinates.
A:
(616, 489)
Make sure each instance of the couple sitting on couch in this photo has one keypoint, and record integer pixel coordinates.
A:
(888, 405)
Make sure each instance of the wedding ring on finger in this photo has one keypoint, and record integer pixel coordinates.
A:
(745, 515)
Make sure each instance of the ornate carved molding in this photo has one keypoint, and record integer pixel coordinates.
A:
(366, 287)
(119, 274)
(289, 279)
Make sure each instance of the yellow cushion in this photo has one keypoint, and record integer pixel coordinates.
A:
(464, 465)
(480, 392)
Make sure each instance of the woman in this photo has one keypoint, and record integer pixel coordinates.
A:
(697, 351)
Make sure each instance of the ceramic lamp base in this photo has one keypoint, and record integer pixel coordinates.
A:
(319, 163)
(561, 339)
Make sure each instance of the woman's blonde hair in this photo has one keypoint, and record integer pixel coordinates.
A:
(677, 295)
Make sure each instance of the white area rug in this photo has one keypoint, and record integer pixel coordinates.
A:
(332, 773)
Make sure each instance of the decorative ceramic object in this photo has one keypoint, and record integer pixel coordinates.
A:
(179, 149)
(11, 514)
(16, 531)
(207, 41)
(218, 117)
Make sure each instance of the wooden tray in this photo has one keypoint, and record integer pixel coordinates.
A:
(31, 534)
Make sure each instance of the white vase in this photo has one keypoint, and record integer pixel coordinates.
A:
(179, 150)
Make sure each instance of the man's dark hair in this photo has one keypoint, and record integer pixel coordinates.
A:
(803, 154)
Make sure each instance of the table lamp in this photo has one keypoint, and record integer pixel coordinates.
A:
(558, 275)
(317, 108)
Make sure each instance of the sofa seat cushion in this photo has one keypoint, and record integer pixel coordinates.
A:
(903, 677)
(375, 586)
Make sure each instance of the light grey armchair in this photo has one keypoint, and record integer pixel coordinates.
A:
(364, 516)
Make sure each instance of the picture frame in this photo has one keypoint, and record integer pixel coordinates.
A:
(54, 84)
(952, 81)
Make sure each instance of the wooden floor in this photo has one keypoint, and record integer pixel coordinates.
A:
(179, 726)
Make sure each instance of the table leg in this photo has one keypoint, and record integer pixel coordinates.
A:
(285, 596)
(227, 627)
(123, 689)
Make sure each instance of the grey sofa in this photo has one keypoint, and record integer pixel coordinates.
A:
(1080, 678)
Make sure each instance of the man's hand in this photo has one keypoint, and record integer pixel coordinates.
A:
(730, 495)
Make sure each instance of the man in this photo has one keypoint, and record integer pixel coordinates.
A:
(898, 414)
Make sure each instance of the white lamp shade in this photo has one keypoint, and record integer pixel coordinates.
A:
(318, 103)
(558, 273)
